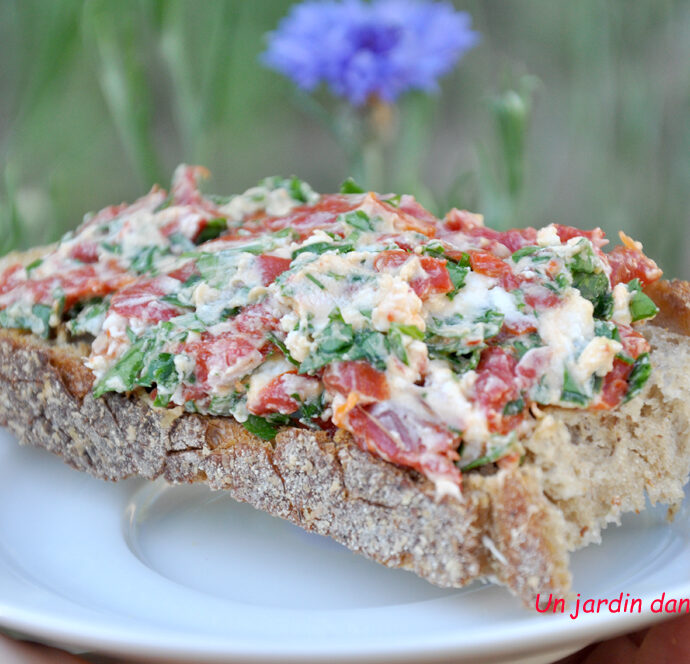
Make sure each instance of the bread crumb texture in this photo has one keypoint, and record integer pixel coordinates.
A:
(595, 467)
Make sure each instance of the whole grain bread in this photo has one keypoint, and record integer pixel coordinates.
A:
(582, 469)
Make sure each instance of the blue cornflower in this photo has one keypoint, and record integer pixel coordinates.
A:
(365, 50)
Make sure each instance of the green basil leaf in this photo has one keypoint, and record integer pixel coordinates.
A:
(595, 288)
(126, 369)
(492, 456)
(309, 410)
(603, 308)
(585, 260)
(144, 261)
(642, 306)
(314, 280)
(349, 186)
(282, 347)
(606, 329)
(33, 265)
(410, 330)
(370, 346)
(160, 370)
(591, 285)
(359, 220)
(639, 375)
(526, 343)
(260, 427)
(397, 345)
(525, 251)
(457, 274)
(322, 247)
(634, 286)
(571, 391)
(42, 312)
(213, 228)
(175, 300)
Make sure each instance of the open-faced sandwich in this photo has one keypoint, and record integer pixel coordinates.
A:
(437, 395)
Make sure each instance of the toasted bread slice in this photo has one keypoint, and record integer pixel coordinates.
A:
(582, 469)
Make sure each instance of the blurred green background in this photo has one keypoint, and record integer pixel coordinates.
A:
(100, 98)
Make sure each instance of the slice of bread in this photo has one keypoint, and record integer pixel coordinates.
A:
(582, 469)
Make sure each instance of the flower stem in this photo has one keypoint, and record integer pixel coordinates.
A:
(378, 131)
(374, 166)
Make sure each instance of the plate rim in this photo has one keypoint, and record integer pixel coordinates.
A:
(76, 627)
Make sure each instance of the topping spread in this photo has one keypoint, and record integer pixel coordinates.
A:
(430, 341)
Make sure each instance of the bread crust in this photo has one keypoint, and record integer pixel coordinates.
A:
(516, 526)
(673, 300)
(324, 484)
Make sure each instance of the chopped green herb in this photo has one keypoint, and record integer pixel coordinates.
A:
(90, 319)
(585, 260)
(180, 243)
(436, 249)
(260, 427)
(519, 298)
(33, 265)
(193, 279)
(349, 186)
(359, 220)
(112, 247)
(314, 280)
(514, 407)
(286, 232)
(282, 347)
(526, 343)
(174, 299)
(457, 274)
(160, 370)
(224, 404)
(122, 375)
(309, 410)
(299, 190)
(370, 346)
(624, 357)
(608, 329)
(604, 307)
(339, 342)
(213, 228)
(525, 251)
(145, 260)
(496, 452)
(642, 306)
(571, 391)
(397, 345)
(322, 247)
(638, 376)
(595, 288)
(562, 281)
(541, 258)
(228, 312)
(493, 319)
(42, 312)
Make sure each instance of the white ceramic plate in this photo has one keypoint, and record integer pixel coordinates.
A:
(143, 569)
